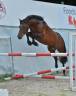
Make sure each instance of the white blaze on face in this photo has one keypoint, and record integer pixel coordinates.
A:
(29, 30)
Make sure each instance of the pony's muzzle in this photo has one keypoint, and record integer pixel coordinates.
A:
(19, 37)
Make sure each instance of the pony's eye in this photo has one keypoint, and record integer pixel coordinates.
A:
(21, 26)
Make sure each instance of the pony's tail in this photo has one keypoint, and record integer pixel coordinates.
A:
(63, 59)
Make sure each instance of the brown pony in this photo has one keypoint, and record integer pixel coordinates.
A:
(40, 31)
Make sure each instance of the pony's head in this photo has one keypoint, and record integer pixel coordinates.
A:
(23, 29)
(27, 23)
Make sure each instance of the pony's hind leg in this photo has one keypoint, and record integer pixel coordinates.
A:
(56, 63)
(52, 50)
(62, 49)
(63, 60)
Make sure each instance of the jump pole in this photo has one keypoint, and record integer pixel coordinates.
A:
(45, 77)
(56, 77)
(38, 74)
(33, 54)
(36, 55)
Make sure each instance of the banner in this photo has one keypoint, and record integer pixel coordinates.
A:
(56, 15)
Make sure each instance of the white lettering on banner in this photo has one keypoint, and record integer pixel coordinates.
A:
(69, 11)
(2, 9)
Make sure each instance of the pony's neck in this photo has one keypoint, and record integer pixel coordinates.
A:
(48, 27)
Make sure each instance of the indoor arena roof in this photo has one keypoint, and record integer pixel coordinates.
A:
(66, 2)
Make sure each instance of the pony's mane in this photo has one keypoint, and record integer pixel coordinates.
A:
(33, 17)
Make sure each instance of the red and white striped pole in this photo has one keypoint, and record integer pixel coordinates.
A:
(45, 77)
(55, 77)
(17, 76)
(33, 54)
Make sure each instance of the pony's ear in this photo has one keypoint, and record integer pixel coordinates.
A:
(19, 19)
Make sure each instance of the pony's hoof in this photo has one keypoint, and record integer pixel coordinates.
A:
(29, 43)
(64, 72)
(35, 43)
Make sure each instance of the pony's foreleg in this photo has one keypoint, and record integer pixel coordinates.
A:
(29, 34)
(34, 42)
(28, 40)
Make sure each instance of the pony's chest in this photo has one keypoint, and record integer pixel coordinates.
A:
(37, 35)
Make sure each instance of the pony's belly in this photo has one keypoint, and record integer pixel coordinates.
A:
(43, 42)
(46, 41)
